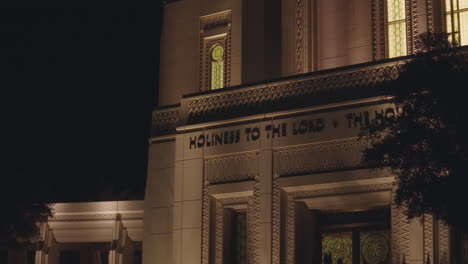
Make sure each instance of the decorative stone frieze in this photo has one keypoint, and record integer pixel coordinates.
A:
(428, 228)
(315, 89)
(313, 158)
(232, 167)
(164, 121)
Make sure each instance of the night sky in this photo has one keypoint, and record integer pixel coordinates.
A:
(77, 88)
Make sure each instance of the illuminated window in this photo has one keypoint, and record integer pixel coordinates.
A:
(356, 237)
(396, 28)
(456, 14)
(217, 66)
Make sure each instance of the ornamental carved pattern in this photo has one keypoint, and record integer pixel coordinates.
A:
(414, 24)
(213, 21)
(231, 167)
(378, 29)
(428, 228)
(316, 89)
(400, 234)
(312, 158)
(301, 36)
(276, 221)
(411, 25)
(206, 224)
(164, 121)
(430, 16)
(382, 29)
(253, 250)
(444, 250)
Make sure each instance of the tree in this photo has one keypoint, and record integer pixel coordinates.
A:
(24, 207)
(426, 144)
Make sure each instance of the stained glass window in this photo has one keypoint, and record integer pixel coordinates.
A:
(457, 21)
(360, 237)
(336, 246)
(375, 247)
(217, 66)
(396, 28)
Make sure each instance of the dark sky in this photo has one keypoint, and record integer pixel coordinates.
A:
(76, 91)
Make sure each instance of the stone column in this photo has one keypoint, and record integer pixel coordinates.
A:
(48, 252)
(266, 176)
(121, 246)
(157, 238)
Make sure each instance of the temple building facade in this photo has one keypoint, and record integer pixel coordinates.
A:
(256, 148)
(256, 154)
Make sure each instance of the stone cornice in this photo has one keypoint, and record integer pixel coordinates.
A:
(294, 92)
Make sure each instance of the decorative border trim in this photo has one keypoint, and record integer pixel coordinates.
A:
(215, 20)
(232, 167)
(400, 233)
(378, 29)
(428, 227)
(444, 250)
(301, 35)
(430, 16)
(273, 97)
(313, 158)
(164, 121)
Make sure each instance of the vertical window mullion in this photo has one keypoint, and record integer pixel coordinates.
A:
(356, 248)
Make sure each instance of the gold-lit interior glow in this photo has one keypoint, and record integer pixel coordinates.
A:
(456, 14)
(396, 28)
(217, 67)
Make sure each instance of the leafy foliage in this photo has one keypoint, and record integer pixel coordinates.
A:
(24, 207)
(426, 144)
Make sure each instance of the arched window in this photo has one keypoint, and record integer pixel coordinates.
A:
(396, 28)
(217, 66)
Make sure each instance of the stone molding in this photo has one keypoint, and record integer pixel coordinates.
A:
(400, 233)
(348, 83)
(164, 121)
(430, 16)
(378, 29)
(213, 21)
(301, 15)
(96, 221)
(428, 231)
(313, 158)
(319, 88)
(97, 216)
(232, 167)
(444, 250)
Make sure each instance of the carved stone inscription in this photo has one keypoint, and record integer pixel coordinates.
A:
(345, 122)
